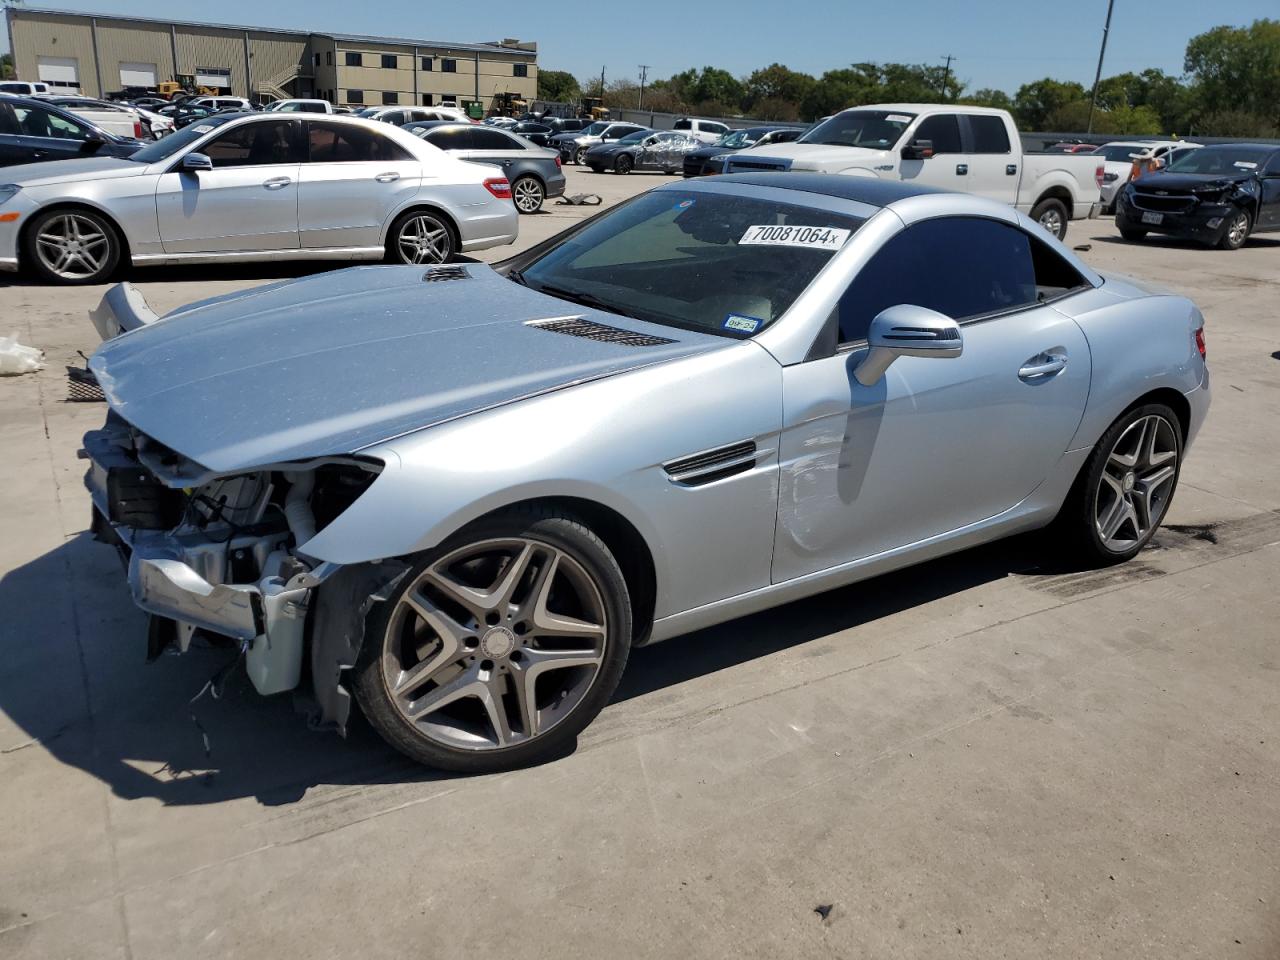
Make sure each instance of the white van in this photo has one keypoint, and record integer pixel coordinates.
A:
(708, 131)
(22, 88)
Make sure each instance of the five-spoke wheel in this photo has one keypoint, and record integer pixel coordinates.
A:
(500, 647)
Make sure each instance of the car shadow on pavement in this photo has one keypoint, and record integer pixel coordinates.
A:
(1182, 243)
(76, 683)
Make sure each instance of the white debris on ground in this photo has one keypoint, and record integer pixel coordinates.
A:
(16, 359)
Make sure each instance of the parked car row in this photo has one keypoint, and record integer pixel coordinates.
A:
(534, 172)
(37, 131)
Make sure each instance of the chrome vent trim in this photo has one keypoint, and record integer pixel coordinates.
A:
(440, 274)
(602, 332)
(709, 465)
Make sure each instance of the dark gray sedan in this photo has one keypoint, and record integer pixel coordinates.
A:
(534, 172)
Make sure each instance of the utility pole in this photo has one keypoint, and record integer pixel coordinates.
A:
(1097, 77)
(602, 84)
(946, 75)
(644, 75)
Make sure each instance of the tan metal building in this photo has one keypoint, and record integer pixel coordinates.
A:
(100, 54)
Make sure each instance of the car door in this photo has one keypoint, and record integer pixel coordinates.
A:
(352, 181)
(948, 168)
(993, 166)
(44, 135)
(1269, 208)
(490, 145)
(11, 149)
(935, 444)
(248, 201)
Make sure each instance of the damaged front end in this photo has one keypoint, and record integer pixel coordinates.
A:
(221, 555)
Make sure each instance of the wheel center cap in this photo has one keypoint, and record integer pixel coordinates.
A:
(497, 642)
(1129, 481)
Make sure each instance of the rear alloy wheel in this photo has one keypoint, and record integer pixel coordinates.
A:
(1237, 230)
(528, 194)
(420, 237)
(500, 646)
(1052, 215)
(1126, 485)
(580, 158)
(623, 164)
(72, 246)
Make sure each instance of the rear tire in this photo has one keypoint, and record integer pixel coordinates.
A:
(528, 194)
(1125, 487)
(499, 646)
(421, 237)
(1052, 215)
(72, 247)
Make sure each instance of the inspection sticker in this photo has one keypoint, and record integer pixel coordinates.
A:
(898, 118)
(814, 238)
(203, 128)
(741, 324)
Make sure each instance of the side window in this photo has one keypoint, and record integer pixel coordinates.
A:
(38, 122)
(8, 125)
(989, 134)
(390, 61)
(493, 140)
(343, 143)
(1272, 167)
(943, 129)
(683, 125)
(1054, 276)
(961, 266)
(354, 59)
(449, 66)
(450, 138)
(254, 145)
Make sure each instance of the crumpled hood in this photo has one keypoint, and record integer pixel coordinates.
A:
(64, 171)
(1191, 182)
(329, 364)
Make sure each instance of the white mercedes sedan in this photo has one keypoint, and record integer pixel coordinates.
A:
(252, 187)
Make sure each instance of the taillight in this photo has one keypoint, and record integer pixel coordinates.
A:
(1200, 342)
(137, 129)
(499, 187)
(1099, 174)
(558, 163)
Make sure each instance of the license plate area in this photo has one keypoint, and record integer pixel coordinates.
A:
(1153, 218)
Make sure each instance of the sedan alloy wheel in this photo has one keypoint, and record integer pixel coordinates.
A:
(1136, 483)
(74, 247)
(528, 194)
(422, 238)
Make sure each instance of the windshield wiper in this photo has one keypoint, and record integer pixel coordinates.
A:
(586, 299)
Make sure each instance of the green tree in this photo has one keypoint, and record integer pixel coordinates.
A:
(1033, 102)
(838, 89)
(558, 86)
(1121, 119)
(778, 84)
(6, 66)
(987, 97)
(1237, 70)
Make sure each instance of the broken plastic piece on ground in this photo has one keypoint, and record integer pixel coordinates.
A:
(823, 910)
(581, 200)
(1083, 247)
(16, 359)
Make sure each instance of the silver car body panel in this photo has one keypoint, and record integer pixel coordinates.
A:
(339, 211)
(467, 409)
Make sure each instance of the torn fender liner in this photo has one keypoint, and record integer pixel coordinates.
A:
(340, 611)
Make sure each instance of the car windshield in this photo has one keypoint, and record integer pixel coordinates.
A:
(368, 111)
(874, 129)
(735, 138)
(179, 141)
(1121, 152)
(723, 264)
(1224, 159)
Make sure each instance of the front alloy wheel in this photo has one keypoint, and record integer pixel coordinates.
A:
(499, 648)
(73, 246)
(1237, 231)
(580, 158)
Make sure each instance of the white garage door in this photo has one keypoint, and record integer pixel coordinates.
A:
(137, 74)
(59, 71)
(219, 79)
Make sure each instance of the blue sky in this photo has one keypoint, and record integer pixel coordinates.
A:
(998, 43)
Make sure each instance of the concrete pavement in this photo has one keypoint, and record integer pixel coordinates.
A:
(985, 756)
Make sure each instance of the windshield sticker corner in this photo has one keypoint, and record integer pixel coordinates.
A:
(812, 238)
(739, 323)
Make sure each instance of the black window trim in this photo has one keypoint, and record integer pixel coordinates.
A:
(322, 118)
(222, 128)
(847, 346)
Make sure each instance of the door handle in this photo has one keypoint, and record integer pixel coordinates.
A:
(276, 182)
(1042, 367)
(506, 163)
(962, 168)
(387, 177)
(1011, 169)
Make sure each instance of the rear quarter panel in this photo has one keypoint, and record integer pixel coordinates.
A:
(1138, 343)
(1041, 172)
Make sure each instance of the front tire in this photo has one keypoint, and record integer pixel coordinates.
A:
(72, 247)
(623, 164)
(1132, 234)
(1052, 215)
(580, 158)
(1125, 487)
(1237, 231)
(421, 236)
(499, 646)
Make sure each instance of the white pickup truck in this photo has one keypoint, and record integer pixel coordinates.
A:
(953, 147)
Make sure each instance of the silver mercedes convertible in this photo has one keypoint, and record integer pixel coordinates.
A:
(461, 494)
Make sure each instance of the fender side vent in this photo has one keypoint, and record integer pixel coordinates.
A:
(700, 468)
(590, 330)
(440, 274)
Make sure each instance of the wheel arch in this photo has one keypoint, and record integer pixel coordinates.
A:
(24, 232)
(424, 206)
(1059, 192)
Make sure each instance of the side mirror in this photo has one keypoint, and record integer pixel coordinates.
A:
(918, 150)
(196, 161)
(91, 145)
(907, 331)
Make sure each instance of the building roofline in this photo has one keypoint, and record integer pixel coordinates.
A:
(14, 12)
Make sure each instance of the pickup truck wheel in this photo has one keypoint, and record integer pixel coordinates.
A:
(499, 646)
(1237, 230)
(1052, 215)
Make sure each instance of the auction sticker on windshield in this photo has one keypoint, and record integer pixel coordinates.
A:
(814, 238)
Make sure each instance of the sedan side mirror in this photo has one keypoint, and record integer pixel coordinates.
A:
(907, 331)
(918, 150)
(91, 145)
(196, 161)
